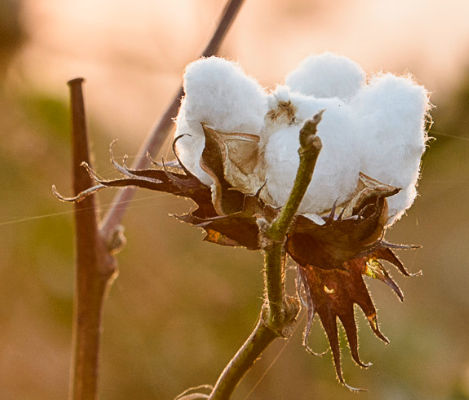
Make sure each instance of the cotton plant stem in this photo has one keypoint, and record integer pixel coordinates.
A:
(279, 312)
(243, 360)
(94, 264)
(155, 140)
(275, 234)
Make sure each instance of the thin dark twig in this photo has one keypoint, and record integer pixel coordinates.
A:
(160, 132)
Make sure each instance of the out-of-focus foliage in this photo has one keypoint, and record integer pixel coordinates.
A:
(11, 32)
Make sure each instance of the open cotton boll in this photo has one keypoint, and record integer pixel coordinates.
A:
(391, 113)
(327, 75)
(218, 93)
(191, 145)
(336, 173)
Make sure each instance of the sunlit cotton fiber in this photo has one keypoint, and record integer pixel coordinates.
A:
(377, 128)
(327, 75)
(390, 113)
(220, 94)
(336, 173)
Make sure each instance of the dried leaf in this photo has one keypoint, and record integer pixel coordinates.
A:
(233, 230)
(231, 160)
(333, 258)
(374, 269)
(358, 227)
(333, 293)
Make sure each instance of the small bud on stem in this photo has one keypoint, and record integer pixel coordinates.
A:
(308, 136)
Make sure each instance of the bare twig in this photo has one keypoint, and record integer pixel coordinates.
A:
(279, 312)
(160, 132)
(94, 264)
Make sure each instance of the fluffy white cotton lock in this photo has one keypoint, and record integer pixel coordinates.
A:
(220, 94)
(390, 113)
(376, 128)
(336, 173)
(327, 75)
(190, 147)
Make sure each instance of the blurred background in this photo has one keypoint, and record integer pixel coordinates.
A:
(180, 307)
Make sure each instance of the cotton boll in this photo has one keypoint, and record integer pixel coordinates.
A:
(336, 173)
(282, 161)
(391, 113)
(190, 147)
(327, 75)
(218, 93)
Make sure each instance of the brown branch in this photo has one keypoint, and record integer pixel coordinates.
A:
(94, 264)
(160, 132)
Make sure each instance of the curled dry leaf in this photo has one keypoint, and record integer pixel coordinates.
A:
(232, 161)
(332, 258)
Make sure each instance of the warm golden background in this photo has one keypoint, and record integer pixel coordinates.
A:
(181, 307)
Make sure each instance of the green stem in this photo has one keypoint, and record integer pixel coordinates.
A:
(310, 146)
(279, 312)
(243, 360)
(275, 234)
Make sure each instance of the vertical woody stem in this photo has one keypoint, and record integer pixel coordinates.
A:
(94, 265)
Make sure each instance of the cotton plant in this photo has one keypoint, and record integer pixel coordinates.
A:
(240, 152)
(373, 136)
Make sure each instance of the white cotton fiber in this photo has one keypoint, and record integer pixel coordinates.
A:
(391, 130)
(327, 75)
(218, 93)
(191, 145)
(336, 173)
(376, 128)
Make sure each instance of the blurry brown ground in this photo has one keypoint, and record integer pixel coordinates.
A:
(181, 307)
